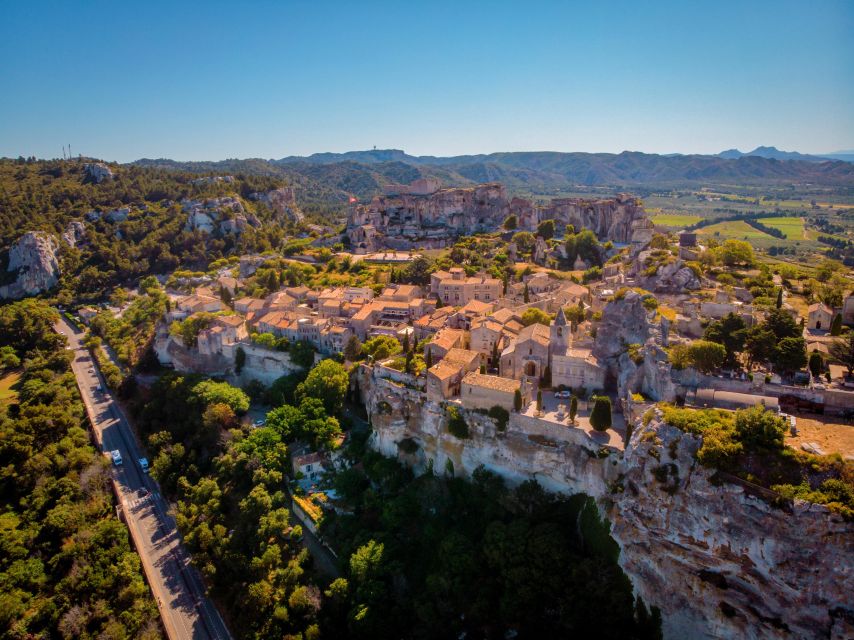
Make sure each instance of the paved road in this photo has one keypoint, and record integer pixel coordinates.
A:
(184, 608)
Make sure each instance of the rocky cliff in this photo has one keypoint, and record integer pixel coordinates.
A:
(406, 220)
(283, 201)
(225, 215)
(432, 219)
(621, 219)
(33, 261)
(718, 561)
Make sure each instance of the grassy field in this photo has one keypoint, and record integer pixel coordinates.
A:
(792, 227)
(733, 229)
(674, 220)
(8, 384)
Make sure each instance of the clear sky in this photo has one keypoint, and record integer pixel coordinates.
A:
(213, 80)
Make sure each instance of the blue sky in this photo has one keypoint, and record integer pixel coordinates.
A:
(214, 80)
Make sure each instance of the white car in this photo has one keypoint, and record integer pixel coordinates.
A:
(117, 457)
(260, 423)
(563, 394)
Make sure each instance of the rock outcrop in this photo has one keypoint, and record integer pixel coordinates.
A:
(34, 262)
(74, 233)
(97, 172)
(673, 277)
(283, 201)
(225, 215)
(423, 215)
(719, 561)
(406, 220)
(621, 219)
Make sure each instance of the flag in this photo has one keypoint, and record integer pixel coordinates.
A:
(352, 199)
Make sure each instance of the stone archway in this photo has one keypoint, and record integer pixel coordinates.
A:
(531, 369)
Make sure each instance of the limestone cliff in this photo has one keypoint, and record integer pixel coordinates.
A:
(282, 201)
(33, 259)
(621, 219)
(718, 561)
(406, 220)
(428, 218)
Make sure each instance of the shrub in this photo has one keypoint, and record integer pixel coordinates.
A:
(500, 415)
(457, 426)
(600, 417)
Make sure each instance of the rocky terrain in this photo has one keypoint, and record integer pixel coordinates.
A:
(224, 215)
(33, 261)
(406, 220)
(282, 201)
(434, 218)
(718, 561)
(97, 172)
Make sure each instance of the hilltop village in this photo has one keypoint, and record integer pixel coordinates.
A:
(568, 341)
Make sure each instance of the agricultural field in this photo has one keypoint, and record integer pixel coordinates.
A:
(792, 227)
(737, 229)
(674, 220)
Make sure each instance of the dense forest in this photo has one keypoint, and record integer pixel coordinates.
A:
(153, 240)
(67, 569)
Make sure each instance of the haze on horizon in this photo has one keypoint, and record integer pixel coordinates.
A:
(208, 81)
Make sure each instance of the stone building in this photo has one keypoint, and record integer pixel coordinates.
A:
(820, 316)
(479, 391)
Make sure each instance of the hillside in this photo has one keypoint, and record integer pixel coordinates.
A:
(335, 176)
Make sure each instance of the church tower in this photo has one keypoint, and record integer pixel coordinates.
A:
(559, 335)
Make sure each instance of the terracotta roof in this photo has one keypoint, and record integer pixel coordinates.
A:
(461, 356)
(447, 338)
(497, 383)
(231, 321)
(444, 370)
(537, 332)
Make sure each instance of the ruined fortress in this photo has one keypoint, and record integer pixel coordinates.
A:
(425, 215)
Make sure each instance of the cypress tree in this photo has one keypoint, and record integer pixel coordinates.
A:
(600, 417)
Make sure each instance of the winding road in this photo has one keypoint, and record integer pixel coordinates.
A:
(185, 610)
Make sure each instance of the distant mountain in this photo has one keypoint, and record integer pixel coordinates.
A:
(775, 154)
(335, 176)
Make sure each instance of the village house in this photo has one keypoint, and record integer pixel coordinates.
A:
(224, 330)
(444, 341)
(444, 378)
(820, 316)
(453, 287)
(201, 301)
(848, 310)
(308, 467)
(480, 391)
(429, 324)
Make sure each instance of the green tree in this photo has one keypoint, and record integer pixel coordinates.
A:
(510, 222)
(381, 347)
(780, 298)
(836, 325)
(209, 392)
(781, 324)
(8, 358)
(816, 364)
(731, 332)
(600, 416)
(546, 229)
(790, 355)
(302, 354)
(533, 315)
(759, 344)
(706, 356)
(757, 427)
(539, 400)
(239, 359)
(525, 241)
(573, 408)
(353, 349)
(328, 382)
(736, 252)
(517, 400)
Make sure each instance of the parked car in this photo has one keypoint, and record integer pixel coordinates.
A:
(143, 462)
(563, 394)
(117, 457)
(260, 423)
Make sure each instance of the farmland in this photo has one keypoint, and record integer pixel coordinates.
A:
(791, 226)
(734, 229)
(674, 220)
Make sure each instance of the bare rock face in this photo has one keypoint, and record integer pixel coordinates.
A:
(625, 321)
(675, 277)
(225, 215)
(74, 233)
(283, 201)
(97, 172)
(406, 220)
(621, 219)
(408, 217)
(33, 258)
(720, 562)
